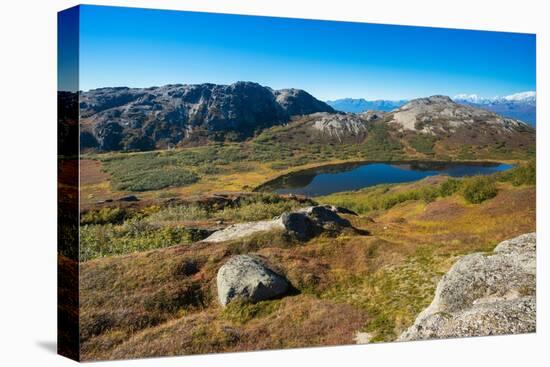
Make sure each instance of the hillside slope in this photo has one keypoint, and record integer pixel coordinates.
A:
(426, 127)
(375, 280)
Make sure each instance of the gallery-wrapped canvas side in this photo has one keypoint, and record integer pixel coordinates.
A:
(67, 188)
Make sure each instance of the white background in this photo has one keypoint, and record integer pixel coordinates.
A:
(28, 181)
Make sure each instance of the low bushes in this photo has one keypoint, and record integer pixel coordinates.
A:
(449, 187)
(136, 235)
(521, 175)
(117, 231)
(155, 179)
(423, 143)
(478, 189)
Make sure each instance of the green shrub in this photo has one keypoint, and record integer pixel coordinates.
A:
(156, 179)
(524, 174)
(380, 144)
(478, 189)
(449, 187)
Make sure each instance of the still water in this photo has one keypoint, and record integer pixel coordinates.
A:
(352, 176)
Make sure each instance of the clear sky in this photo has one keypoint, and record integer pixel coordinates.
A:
(142, 48)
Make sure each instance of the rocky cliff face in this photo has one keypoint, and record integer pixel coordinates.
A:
(484, 295)
(145, 118)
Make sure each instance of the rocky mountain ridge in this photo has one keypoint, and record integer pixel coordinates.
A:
(147, 118)
(133, 119)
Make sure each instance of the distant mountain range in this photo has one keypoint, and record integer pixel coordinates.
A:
(520, 106)
(357, 105)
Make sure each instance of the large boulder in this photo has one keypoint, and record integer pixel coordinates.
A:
(484, 295)
(246, 278)
(311, 221)
(303, 224)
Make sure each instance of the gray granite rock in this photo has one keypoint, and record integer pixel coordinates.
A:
(246, 278)
(484, 295)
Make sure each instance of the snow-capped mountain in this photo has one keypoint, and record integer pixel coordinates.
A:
(523, 97)
(472, 98)
(526, 97)
(521, 106)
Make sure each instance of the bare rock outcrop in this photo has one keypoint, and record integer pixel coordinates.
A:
(246, 278)
(484, 295)
(341, 126)
(303, 224)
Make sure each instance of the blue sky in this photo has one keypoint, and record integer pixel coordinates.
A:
(142, 48)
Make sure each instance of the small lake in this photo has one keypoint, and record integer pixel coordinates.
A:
(353, 176)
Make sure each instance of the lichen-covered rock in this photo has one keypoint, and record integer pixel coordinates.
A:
(484, 295)
(303, 224)
(241, 230)
(246, 278)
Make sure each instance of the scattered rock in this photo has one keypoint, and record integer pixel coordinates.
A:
(484, 295)
(246, 278)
